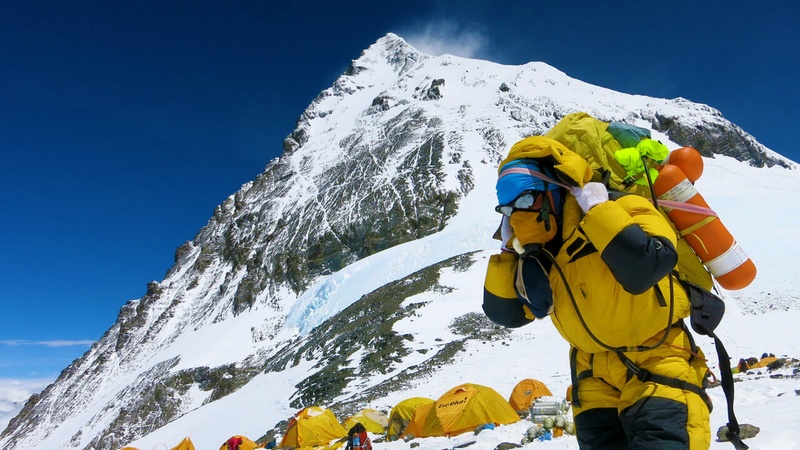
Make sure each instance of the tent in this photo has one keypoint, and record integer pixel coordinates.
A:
(525, 392)
(372, 419)
(311, 426)
(461, 409)
(764, 362)
(401, 415)
(416, 425)
(239, 442)
(185, 444)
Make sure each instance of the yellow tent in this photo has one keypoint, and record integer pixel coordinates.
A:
(185, 444)
(239, 442)
(311, 426)
(525, 392)
(372, 419)
(401, 415)
(764, 362)
(459, 410)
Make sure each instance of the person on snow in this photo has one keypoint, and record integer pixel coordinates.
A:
(239, 442)
(357, 438)
(742, 366)
(608, 280)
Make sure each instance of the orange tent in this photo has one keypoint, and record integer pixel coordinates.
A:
(416, 426)
(459, 410)
(525, 392)
(401, 416)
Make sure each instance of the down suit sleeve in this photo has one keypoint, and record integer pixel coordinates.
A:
(634, 240)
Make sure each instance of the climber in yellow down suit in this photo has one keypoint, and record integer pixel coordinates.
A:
(612, 290)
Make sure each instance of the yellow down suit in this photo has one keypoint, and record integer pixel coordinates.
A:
(613, 293)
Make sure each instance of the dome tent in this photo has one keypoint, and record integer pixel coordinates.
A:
(461, 409)
(185, 444)
(372, 419)
(401, 415)
(311, 426)
(525, 392)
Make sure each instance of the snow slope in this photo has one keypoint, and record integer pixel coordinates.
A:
(763, 317)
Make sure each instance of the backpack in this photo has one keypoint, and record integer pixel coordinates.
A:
(597, 143)
(233, 443)
(357, 438)
(239, 443)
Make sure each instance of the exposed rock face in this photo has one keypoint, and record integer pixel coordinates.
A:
(716, 136)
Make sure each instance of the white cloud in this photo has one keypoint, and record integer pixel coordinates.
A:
(447, 37)
(14, 394)
(53, 343)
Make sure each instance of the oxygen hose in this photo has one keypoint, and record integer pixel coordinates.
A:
(639, 348)
(650, 181)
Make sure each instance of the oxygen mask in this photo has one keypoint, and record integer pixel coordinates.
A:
(532, 219)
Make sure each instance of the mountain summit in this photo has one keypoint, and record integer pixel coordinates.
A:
(310, 284)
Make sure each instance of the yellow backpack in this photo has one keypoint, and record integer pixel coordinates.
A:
(591, 139)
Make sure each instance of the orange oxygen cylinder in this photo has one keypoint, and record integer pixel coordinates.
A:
(688, 160)
(706, 234)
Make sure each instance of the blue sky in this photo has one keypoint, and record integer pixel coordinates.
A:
(123, 124)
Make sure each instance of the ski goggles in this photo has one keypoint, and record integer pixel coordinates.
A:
(527, 200)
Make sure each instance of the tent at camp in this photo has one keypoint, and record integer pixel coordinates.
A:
(401, 415)
(416, 426)
(372, 419)
(525, 392)
(239, 442)
(311, 426)
(764, 362)
(185, 444)
(461, 409)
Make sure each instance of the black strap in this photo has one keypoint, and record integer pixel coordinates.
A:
(576, 377)
(727, 386)
(544, 213)
(662, 302)
(650, 181)
(645, 375)
(573, 369)
(692, 345)
(586, 250)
